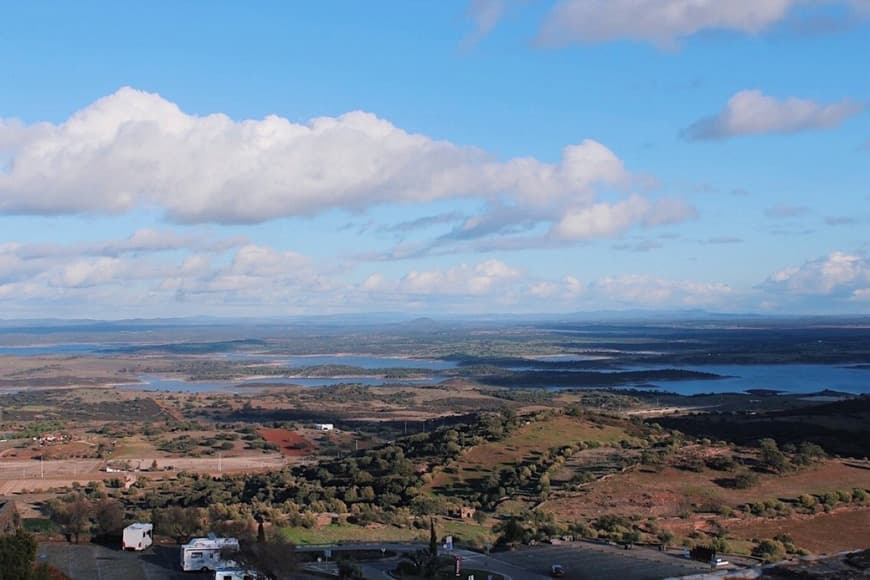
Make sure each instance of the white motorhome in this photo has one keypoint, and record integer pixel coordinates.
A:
(204, 554)
(137, 537)
(235, 574)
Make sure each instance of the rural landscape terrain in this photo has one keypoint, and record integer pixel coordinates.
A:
(503, 436)
(405, 290)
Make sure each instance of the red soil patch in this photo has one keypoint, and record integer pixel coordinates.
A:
(290, 443)
(68, 450)
(824, 533)
(672, 492)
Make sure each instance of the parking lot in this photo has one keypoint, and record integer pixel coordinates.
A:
(95, 562)
(581, 560)
(586, 560)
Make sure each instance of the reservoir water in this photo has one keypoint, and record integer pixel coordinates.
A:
(158, 383)
(366, 361)
(788, 378)
(77, 348)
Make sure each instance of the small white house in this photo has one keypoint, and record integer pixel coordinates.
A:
(137, 537)
(204, 554)
(324, 426)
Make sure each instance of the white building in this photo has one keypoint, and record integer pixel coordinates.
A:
(324, 426)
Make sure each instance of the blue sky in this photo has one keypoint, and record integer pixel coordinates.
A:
(277, 158)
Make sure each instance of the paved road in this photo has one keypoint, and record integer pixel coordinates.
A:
(581, 560)
(378, 569)
(588, 561)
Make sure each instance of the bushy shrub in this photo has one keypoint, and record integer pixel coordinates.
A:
(769, 550)
(745, 479)
(721, 463)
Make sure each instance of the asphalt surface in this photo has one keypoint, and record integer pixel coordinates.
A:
(379, 569)
(96, 562)
(587, 561)
(581, 560)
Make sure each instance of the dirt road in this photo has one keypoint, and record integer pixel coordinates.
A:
(23, 474)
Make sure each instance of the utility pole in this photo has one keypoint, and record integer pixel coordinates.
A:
(220, 463)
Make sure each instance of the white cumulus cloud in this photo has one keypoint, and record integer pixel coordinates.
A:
(608, 220)
(839, 274)
(751, 112)
(134, 149)
(478, 279)
(645, 290)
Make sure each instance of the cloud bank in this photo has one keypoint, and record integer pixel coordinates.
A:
(134, 150)
(237, 277)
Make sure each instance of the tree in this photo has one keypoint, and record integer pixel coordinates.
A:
(771, 457)
(544, 486)
(744, 479)
(809, 453)
(17, 555)
(79, 513)
(433, 539)
(275, 557)
(720, 544)
(769, 550)
(631, 537)
(510, 531)
(349, 570)
(108, 517)
(178, 523)
(72, 515)
(665, 537)
(420, 563)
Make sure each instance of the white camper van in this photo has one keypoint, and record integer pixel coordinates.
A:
(204, 554)
(137, 537)
(236, 574)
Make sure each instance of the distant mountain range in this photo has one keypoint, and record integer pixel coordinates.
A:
(411, 322)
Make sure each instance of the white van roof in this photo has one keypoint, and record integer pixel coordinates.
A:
(139, 526)
(212, 543)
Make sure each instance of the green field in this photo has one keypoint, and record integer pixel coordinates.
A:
(349, 533)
